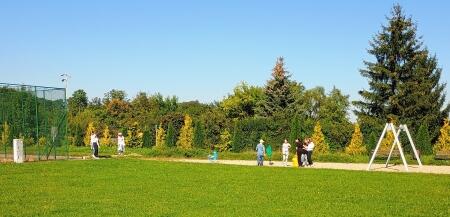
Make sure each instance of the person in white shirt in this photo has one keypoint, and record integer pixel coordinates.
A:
(285, 151)
(309, 150)
(94, 145)
(120, 144)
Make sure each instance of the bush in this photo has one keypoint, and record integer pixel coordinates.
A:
(356, 146)
(178, 153)
(171, 137)
(423, 140)
(147, 139)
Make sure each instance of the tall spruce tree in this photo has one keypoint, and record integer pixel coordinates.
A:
(423, 140)
(295, 130)
(278, 95)
(403, 79)
(199, 135)
(171, 137)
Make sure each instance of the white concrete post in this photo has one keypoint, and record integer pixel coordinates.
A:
(18, 151)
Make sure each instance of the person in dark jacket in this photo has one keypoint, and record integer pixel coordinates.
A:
(300, 150)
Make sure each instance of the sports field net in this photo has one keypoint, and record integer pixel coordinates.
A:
(38, 116)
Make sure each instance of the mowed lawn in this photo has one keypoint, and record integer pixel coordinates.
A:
(133, 187)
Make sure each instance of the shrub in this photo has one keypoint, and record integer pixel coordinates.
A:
(319, 140)
(356, 146)
(423, 140)
(106, 137)
(87, 137)
(443, 143)
(160, 137)
(186, 134)
(171, 137)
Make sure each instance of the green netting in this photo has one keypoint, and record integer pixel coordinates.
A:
(36, 114)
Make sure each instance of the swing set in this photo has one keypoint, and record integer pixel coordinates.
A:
(396, 131)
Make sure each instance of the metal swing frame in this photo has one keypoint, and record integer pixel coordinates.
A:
(396, 132)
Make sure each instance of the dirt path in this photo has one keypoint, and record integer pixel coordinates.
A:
(340, 166)
(317, 165)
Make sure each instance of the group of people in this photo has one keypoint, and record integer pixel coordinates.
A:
(95, 144)
(303, 149)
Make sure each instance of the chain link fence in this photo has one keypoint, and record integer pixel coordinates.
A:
(38, 116)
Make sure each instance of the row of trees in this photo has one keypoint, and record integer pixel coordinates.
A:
(404, 86)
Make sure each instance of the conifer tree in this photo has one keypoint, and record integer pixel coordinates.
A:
(87, 137)
(443, 143)
(225, 141)
(160, 137)
(134, 136)
(6, 134)
(147, 139)
(106, 137)
(171, 137)
(356, 146)
(319, 140)
(237, 141)
(404, 79)
(423, 140)
(295, 130)
(199, 135)
(186, 134)
(372, 141)
(278, 94)
(387, 142)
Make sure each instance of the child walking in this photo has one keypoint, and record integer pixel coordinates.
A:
(285, 151)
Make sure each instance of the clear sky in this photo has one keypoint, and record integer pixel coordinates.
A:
(200, 50)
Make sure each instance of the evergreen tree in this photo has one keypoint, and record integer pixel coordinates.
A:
(160, 137)
(6, 134)
(87, 137)
(372, 141)
(78, 139)
(278, 95)
(147, 139)
(171, 137)
(295, 130)
(387, 142)
(404, 79)
(186, 134)
(423, 140)
(443, 143)
(356, 146)
(238, 137)
(319, 140)
(106, 137)
(134, 136)
(225, 141)
(199, 135)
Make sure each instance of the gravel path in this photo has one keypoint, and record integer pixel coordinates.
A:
(317, 165)
(340, 166)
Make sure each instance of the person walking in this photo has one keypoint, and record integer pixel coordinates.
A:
(260, 152)
(120, 144)
(285, 151)
(94, 145)
(269, 153)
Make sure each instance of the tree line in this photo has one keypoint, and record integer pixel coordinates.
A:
(404, 87)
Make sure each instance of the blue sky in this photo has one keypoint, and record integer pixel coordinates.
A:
(200, 50)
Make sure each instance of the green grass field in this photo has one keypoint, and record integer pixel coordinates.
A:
(134, 187)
